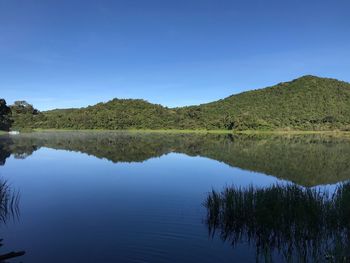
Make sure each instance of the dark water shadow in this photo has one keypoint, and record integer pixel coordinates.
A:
(283, 221)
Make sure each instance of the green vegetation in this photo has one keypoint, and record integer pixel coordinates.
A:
(291, 222)
(307, 103)
(24, 116)
(5, 116)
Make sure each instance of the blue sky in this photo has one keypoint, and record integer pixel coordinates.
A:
(73, 53)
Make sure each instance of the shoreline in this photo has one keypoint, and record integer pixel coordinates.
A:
(178, 131)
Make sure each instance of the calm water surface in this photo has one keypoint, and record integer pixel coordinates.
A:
(128, 197)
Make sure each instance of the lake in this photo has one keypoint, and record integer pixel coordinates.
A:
(143, 197)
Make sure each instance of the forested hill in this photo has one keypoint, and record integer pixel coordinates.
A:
(114, 114)
(307, 103)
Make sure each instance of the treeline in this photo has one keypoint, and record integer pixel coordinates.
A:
(307, 103)
(20, 115)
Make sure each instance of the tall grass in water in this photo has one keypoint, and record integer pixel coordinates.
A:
(295, 223)
(9, 201)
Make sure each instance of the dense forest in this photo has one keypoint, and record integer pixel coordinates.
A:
(306, 103)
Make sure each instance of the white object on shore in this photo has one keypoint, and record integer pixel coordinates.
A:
(14, 132)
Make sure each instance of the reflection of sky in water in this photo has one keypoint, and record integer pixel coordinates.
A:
(126, 212)
(172, 169)
(75, 203)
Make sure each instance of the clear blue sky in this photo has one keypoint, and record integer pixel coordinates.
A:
(72, 53)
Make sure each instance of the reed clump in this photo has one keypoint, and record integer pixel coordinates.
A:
(9, 202)
(289, 221)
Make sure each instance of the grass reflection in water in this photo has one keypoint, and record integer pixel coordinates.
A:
(295, 223)
(9, 201)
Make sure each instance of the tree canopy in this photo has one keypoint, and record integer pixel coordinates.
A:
(24, 115)
(5, 116)
(306, 103)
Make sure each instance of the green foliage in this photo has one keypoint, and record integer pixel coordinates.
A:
(113, 115)
(307, 103)
(5, 116)
(23, 107)
(24, 116)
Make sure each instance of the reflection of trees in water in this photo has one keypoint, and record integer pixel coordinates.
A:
(5, 152)
(304, 159)
(277, 220)
(20, 149)
(298, 224)
(9, 201)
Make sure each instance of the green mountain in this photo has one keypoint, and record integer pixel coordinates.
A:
(115, 114)
(306, 103)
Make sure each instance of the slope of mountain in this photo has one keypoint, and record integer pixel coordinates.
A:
(114, 114)
(306, 103)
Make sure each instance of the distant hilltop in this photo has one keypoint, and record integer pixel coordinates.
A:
(306, 103)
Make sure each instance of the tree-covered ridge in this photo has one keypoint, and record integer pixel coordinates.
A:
(115, 114)
(306, 103)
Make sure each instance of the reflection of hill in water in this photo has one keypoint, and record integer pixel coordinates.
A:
(20, 148)
(4, 150)
(306, 160)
